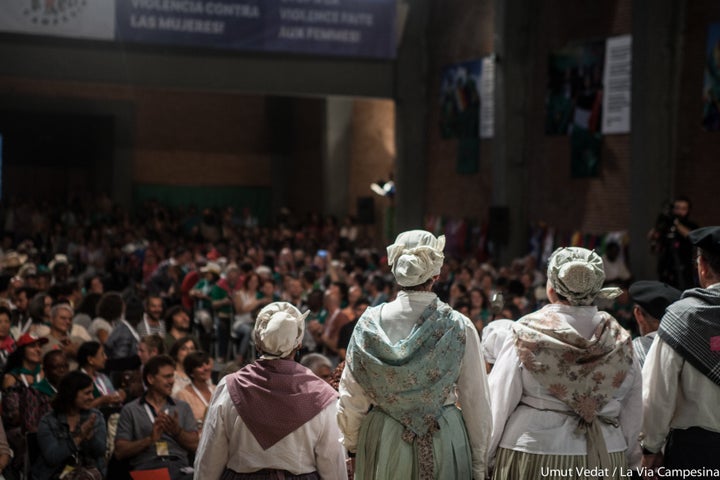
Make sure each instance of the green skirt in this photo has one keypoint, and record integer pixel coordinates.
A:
(382, 454)
(515, 465)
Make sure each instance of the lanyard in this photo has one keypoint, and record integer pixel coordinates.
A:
(150, 414)
(26, 327)
(132, 330)
(97, 381)
(200, 395)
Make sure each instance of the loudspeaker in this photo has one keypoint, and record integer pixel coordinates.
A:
(365, 210)
(499, 225)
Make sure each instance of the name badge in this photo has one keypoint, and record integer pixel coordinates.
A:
(161, 449)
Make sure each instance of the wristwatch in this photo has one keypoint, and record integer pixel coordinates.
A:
(645, 451)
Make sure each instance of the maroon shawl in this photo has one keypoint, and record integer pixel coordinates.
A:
(276, 397)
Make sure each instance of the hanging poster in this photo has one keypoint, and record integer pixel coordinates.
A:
(467, 99)
(574, 102)
(711, 85)
(618, 85)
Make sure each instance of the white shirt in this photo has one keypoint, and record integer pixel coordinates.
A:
(675, 395)
(399, 317)
(524, 428)
(227, 442)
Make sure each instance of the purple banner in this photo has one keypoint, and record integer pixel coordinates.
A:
(353, 28)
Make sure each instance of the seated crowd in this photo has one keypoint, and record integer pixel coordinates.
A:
(114, 333)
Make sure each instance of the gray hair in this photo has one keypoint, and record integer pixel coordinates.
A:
(60, 306)
(313, 361)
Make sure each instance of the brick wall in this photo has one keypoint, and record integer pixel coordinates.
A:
(464, 30)
(597, 204)
(458, 31)
(697, 168)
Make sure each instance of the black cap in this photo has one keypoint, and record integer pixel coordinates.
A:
(654, 297)
(707, 238)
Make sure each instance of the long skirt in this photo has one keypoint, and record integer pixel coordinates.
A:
(383, 455)
(515, 465)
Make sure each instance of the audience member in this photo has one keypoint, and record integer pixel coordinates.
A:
(59, 336)
(178, 352)
(110, 309)
(319, 364)
(123, 340)
(91, 360)
(197, 394)
(152, 321)
(155, 431)
(55, 365)
(72, 436)
(7, 342)
(177, 323)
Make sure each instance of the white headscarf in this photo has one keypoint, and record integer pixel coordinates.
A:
(577, 274)
(279, 330)
(415, 257)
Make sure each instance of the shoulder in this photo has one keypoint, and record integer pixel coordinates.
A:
(183, 407)
(183, 395)
(131, 408)
(9, 380)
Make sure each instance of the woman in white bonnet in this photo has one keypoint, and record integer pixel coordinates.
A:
(398, 394)
(273, 418)
(566, 390)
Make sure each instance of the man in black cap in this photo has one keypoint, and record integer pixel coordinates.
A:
(651, 298)
(681, 376)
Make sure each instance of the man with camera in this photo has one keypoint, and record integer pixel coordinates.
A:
(670, 241)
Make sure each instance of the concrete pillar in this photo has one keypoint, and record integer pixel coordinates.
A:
(515, 29)
(336, 155)
(656, 66)
(411, 118)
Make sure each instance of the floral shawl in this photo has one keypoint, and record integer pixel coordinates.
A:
(582, 373)
(411, 379)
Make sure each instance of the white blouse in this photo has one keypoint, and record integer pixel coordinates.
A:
(226, 442)
(517, 398)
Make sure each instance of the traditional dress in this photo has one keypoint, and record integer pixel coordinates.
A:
(274, 418)
(566, 393)
(271, 415)
(681, 382)
(403, 364)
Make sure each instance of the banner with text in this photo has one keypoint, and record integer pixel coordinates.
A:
(352, 28)
(618, 85)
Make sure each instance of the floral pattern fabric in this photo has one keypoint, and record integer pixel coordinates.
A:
(582, 373)
(411, 379)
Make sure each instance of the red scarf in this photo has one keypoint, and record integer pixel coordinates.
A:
(276, 397)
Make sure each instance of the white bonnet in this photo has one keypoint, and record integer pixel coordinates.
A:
(279, 330)
(415, 257)
(578, 275)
